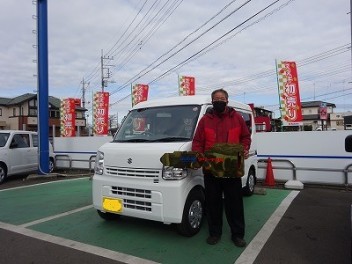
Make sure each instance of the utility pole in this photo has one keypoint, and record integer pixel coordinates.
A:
(351, 29)
(84, 87)
(105, 77)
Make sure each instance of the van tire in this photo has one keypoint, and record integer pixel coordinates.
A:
(193, 213)
(108, 216)
(51, 165)
(3, 173)
(248, 190)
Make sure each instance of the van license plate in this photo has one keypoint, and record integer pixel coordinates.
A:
(112, 204)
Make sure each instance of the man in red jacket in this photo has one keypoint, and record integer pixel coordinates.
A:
(222, 125)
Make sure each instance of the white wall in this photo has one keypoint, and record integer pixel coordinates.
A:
(79, 149)
(319, 150)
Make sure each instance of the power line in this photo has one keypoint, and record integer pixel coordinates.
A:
(179, 43)
(147, 70)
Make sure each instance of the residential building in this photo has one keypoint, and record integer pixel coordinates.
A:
(312, 116)
(21, 113)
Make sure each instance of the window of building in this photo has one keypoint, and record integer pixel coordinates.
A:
(33, 112)
(14, 111)
(54, 114)
(79, 114)
(33, 103)
(0, 111)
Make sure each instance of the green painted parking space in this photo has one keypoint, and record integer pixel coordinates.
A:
(141, 238)
(23, 205)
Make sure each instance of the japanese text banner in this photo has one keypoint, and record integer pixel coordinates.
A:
(186, 85)
(100, 113)
(67, 117)
(290, 102)
(139, 93)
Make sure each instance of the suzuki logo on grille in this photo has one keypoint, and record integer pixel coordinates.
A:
(129, 160)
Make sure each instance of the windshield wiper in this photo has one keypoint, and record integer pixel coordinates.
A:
(172, 139)
(134, 140)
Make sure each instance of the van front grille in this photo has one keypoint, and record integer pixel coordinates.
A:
(128, 195)
(131, 192)
(138, 173)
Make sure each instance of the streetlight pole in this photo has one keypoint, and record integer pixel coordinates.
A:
(351, 31)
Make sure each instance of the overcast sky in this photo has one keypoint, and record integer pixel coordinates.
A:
(223, 44)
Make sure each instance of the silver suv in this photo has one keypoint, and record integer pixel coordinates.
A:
(19, 153)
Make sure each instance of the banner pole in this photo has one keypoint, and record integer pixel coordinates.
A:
(278, 91)
(178, 83)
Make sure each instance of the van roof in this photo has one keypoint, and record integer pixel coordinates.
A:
(17, 131)
(187, 100)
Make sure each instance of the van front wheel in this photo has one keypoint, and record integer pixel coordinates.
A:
(250, 185)
(192, 214)
(3, 173)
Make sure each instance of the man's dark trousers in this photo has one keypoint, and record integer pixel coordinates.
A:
(233, 202)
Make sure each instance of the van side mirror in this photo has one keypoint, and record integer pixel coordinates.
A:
(348, 143)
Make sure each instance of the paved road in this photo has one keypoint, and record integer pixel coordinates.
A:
(316, 228)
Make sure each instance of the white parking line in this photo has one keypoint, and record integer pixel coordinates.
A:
(76, 245)
(255, 246)
(39, 221)
(43, 183)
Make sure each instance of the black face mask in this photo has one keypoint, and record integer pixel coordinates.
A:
(219, 106)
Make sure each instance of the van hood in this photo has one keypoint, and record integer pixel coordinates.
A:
(139, 155)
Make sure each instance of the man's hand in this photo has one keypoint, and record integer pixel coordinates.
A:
(246, 154)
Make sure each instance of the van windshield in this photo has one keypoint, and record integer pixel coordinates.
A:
(159, 124)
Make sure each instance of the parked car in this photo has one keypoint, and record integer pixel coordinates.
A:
(19, 153)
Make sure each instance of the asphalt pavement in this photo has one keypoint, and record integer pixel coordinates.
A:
(316, 228)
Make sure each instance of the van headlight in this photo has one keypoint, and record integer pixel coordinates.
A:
(99, 163)
(171, 173)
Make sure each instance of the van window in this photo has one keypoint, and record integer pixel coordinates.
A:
(35, 140)
(3, 139)
(248, 119)
(167, 123)
(20, 141)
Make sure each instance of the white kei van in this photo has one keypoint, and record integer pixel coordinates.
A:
(129, 178)
(19, 153)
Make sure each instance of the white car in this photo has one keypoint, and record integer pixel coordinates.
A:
(19, 153)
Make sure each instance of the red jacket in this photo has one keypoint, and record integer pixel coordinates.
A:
(227, 127)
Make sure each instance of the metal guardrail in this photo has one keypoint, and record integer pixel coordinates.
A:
(293, 167)
(280, 160)
(68, 158)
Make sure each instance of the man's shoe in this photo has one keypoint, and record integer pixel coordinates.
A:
(212, 240)
(239, 242)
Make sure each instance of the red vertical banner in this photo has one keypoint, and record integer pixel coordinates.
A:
(78, 102)
(323, 111)
(100, 113)
(68, 117)
(139, 93)
(186, 85)
(290, 101)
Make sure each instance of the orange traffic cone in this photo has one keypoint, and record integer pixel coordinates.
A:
(269, 180)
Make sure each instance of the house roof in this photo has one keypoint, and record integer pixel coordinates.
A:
(4, 101)
(53, 101)
(316, 104)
